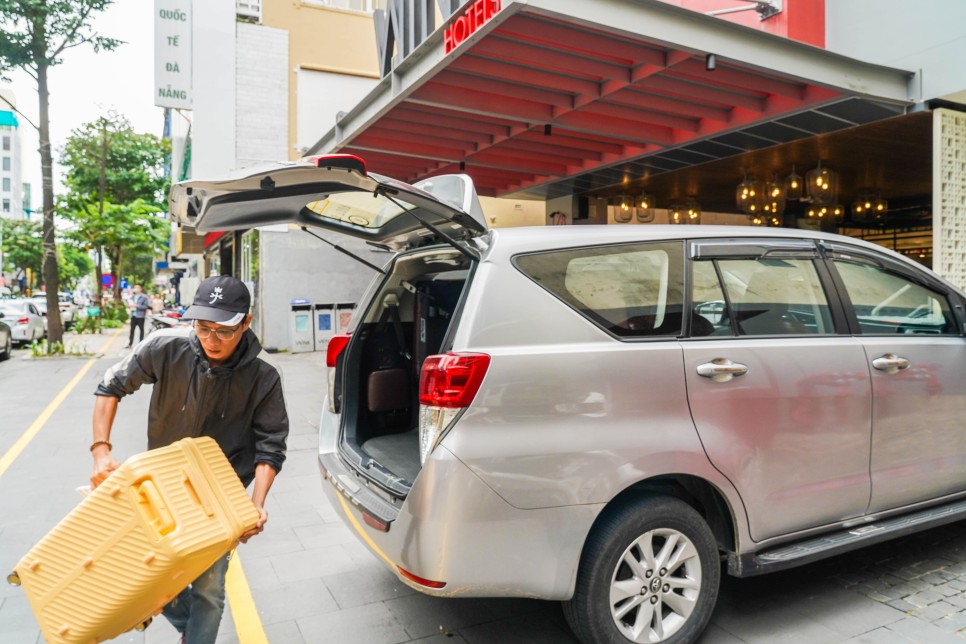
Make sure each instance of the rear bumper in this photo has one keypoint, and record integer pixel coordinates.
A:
(20, 333)
(453, 528)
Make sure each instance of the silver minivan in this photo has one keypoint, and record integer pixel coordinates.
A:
(610, 415)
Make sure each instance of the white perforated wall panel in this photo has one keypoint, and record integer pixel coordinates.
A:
(949, 195)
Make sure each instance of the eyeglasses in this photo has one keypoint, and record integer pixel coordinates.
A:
(204, 332)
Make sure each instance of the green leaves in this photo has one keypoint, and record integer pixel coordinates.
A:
(37, 32)
(21, 244)
(116, 193)
(108, 150)
(33, 36)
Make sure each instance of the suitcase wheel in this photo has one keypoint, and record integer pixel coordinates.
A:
(143, 625)
(13, 579)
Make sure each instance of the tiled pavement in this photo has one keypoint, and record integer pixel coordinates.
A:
(312, 581)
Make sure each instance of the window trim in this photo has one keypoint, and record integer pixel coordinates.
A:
(889, 267)
(738, 248)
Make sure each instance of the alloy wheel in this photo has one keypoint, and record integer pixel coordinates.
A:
(655, 586)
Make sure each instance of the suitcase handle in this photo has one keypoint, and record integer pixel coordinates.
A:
(195, 493)
(154, 508)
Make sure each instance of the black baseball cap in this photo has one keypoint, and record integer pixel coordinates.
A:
(222, 299)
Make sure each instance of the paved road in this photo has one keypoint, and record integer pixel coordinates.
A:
(312, 582)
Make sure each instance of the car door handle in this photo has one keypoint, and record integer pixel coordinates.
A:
(890, 363)
(722, 369)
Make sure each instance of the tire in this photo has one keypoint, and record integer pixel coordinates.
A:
(7, 349)
(623, 593)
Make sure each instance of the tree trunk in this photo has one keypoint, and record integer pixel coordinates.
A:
(101, 186)
(99, 271)
(114, 256)
(55, 330)
(117, 277)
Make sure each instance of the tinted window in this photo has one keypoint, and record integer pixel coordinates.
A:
(708, 302)
(629, 290)
(764, 297)
(887, 303)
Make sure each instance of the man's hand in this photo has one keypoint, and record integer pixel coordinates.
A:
(104, 464)
(263, 514)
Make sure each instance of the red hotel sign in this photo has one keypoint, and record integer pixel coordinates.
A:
(476, 15)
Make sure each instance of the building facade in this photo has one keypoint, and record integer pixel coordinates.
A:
(11, 181)
(591, 106)
(14, 203)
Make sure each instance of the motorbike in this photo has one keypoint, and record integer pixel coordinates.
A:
(166, 319)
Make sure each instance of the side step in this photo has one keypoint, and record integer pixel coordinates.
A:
(836, 543)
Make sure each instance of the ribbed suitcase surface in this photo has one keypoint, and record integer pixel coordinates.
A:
(155, 524)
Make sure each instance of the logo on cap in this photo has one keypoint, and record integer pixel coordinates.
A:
(216, 295)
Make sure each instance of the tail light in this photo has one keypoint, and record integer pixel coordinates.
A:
(336, 345)
(447, 385)
(428, 583)
(23, 320)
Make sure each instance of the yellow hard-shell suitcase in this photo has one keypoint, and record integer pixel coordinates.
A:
(153, 526)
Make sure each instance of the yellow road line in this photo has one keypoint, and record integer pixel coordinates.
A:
(21, 444)
(248, 626)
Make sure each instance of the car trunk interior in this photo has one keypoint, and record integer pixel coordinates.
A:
(407, 320)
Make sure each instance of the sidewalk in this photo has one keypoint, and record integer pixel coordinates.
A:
(313, 582)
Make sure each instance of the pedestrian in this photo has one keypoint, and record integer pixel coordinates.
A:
(157, 304)
(208, 381)
(139, 308)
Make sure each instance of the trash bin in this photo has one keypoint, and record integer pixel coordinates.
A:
(324, 325)
(344, 313)
(300, 327)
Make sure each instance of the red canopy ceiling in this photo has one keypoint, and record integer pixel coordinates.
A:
(541, 101)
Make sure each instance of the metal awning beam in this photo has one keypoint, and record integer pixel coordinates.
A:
(609, 82)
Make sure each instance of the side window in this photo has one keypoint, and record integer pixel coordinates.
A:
(775, 296)
(708, 313)
(886, 303)
(629, 290)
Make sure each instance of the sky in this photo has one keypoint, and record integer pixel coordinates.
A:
(87, 85)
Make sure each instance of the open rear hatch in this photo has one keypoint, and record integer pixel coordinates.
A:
(408, 314)
(337, 194)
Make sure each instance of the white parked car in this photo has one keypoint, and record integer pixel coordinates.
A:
(65, 301)
(24, 319)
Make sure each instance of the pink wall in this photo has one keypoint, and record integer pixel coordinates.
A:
(802, 20)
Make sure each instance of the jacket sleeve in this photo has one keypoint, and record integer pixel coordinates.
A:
(138, 368)
(271, 424)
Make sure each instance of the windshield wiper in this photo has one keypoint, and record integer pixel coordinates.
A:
(344, 251)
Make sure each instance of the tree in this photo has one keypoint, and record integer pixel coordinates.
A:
(115, 189)
(73, 264)
(34, 34)
(22, 251)
(21, 246)
(136, 228)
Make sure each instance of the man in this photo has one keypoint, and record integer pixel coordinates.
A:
(139, 307)
(208, 381)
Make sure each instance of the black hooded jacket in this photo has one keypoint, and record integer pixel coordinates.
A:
(239, 404)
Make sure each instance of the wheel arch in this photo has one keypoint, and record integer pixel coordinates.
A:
(702, 495)
(663, 495)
